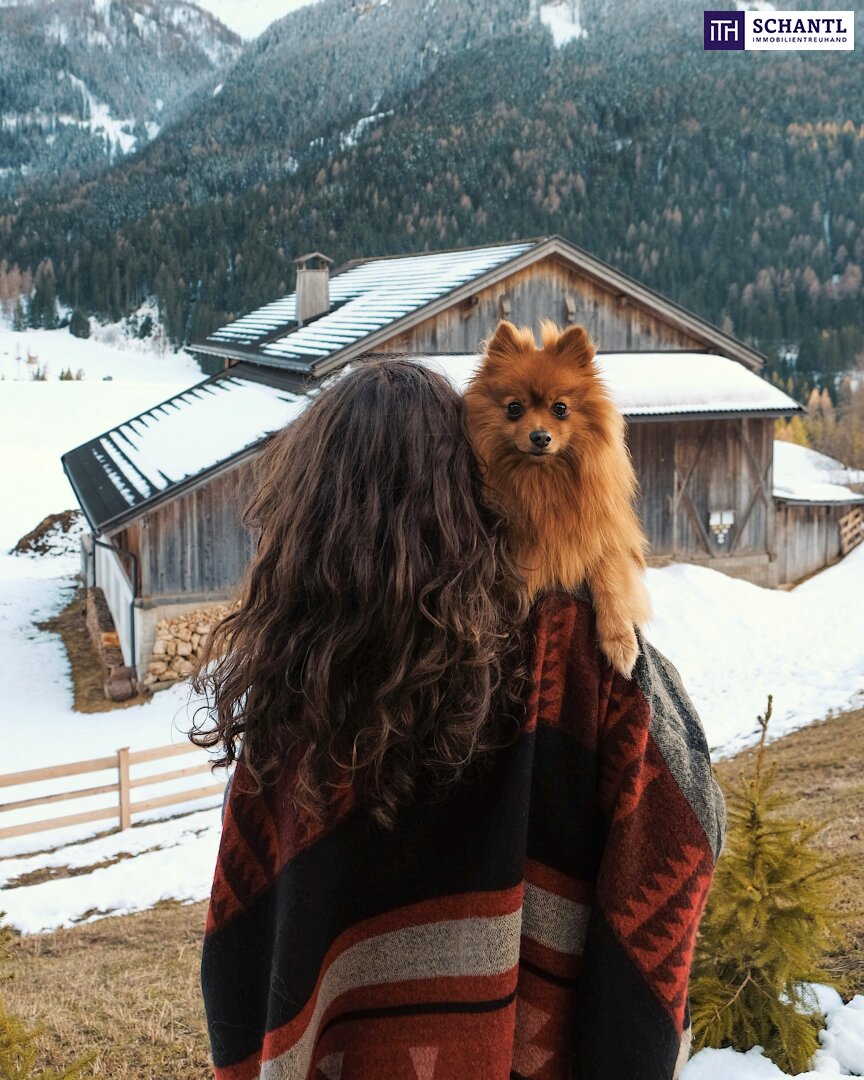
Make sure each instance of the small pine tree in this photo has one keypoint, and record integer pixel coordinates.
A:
(79, 324)
(18, 1051)
(768, 926)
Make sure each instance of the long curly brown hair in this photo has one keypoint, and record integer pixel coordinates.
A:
(379, 635)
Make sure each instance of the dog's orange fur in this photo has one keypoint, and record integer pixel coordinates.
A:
(569, 506)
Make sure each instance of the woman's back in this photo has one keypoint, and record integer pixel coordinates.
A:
(537, 921)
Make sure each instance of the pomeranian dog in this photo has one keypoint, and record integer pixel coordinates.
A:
(555, 465)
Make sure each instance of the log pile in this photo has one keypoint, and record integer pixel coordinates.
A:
(179, 645)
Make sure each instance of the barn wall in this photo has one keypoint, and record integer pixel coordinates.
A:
(723, 465)
(652, 448)
(808, 538)
(195, 543)
(129, 539)
(544, 290)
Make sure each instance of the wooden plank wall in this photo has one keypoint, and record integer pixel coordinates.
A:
(807, 538)
(196, 543)
(549, 289)
(721, 479)
(652, 447)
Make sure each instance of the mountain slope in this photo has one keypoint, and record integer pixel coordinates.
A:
(730, 182)
(86, 80)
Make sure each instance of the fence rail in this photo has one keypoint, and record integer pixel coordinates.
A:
(851, 529)
(125, 808)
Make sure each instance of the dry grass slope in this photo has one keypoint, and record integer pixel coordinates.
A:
(128, 987)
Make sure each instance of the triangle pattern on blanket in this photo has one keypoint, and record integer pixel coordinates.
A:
(330, 1067)
(424, 1059)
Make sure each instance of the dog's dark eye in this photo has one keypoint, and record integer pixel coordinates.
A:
(514, 410)
(559, 409)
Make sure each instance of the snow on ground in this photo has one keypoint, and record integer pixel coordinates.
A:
(107, 352)
(39, 421)
(564, 19)
(165, 860)
(841, 1052)
(802, 473)
(733, 643)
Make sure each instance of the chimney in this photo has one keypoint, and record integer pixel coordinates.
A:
(313, 286)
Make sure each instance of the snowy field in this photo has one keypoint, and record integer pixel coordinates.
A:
(41, 420)
(733, 643)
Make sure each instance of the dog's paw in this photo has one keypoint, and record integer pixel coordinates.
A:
(620, 648)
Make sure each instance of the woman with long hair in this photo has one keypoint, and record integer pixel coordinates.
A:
(456, 843)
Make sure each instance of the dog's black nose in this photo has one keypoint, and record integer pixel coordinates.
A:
(540, 439)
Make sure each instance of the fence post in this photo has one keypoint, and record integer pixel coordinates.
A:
(123, 776)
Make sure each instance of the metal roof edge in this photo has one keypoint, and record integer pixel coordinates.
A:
(796, 500)
(77, 492)
(709, 414)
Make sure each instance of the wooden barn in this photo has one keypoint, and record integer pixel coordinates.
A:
(162, 492)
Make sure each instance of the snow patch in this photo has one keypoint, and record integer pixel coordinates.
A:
(841, 1053)
(564, 19)
(754, 5)
(802, 473)
(354, 133)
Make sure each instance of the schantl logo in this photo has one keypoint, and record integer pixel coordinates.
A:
(724, 30)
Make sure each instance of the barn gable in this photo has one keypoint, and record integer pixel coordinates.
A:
(448, 301)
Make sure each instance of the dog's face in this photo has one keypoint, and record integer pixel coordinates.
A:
(532, 405)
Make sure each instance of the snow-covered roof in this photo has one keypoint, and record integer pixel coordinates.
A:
(667, 384)
(183, 439)
(803, 475)
(363, 298)
(189, 434)
(375, 300)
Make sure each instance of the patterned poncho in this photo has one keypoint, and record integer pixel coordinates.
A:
(539, 921)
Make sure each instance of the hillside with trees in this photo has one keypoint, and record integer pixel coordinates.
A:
(730, 182)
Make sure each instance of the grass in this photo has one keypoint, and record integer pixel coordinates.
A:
(88, 672)
(125, 987)
(128, 987)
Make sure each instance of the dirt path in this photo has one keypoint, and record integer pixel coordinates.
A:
(128, 987)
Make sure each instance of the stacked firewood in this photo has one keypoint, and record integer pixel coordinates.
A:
(180, 643)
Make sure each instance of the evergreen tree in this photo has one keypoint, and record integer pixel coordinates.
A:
(768, 926)
(79, 325)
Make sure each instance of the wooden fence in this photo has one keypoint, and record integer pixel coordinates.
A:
(851, 529)
(124, 809)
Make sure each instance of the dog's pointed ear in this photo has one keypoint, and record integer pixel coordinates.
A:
(575, 346)
(508, 340)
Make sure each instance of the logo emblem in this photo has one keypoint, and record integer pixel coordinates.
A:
(724, 30)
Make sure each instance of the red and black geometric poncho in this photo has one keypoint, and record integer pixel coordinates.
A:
(538, 922)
